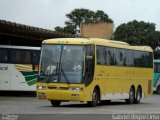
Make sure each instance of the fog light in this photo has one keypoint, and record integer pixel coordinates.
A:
(41, 95)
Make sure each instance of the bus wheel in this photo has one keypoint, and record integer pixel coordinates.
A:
(158, 89)
(95, 98)
(131, 96)
(138, 95)
(55, 103)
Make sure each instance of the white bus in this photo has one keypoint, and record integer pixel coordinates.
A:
(18, 67)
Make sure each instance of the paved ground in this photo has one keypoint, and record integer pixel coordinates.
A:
(30, 105)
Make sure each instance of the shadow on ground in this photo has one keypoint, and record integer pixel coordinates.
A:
(18, 93)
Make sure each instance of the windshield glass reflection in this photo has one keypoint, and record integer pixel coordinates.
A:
(61, 63)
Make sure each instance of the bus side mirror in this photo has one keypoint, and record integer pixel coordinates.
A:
(89, 57)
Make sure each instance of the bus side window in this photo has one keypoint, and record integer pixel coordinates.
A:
(101, 55)
(120, 58)
(149, 60)
(20, 56)
(155, 67)
(111, 56)
(158, 68)
(26, 57)
(98, 56)
(137, 59)
(128, 59)
(3, 56)
(35, 57)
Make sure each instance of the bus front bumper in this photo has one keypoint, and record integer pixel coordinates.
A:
(63, 95)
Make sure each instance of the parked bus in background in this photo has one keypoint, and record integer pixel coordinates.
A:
(18, 67)
(94, 70)
(156, 82)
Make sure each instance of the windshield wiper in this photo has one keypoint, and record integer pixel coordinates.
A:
(66, 78)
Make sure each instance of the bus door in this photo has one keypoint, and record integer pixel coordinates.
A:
(89, 64)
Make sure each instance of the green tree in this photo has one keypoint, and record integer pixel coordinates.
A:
(100, 16)
(79, 16)
(66, 29)
(138, 33)
(154, 39)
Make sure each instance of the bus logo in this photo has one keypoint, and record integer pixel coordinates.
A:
(4, 68)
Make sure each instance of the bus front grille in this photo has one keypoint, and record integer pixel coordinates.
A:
(58, 88)
(51, 87)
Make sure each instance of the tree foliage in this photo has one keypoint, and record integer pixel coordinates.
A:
(66, 29)
(138, 33)
(79, 16)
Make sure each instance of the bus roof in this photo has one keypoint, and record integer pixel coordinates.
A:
(97, 41)
(68, 41)
(20, 47)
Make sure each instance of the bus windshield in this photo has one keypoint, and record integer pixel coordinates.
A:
(61, 63)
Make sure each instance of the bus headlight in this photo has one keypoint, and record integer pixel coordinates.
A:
(78, 89)
(41, 87)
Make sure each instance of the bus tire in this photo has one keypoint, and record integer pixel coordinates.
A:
(95, 98)
(131, 96)
(158, 89)
(138, 95)
(55, 103)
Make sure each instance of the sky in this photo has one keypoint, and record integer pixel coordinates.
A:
(48, 14)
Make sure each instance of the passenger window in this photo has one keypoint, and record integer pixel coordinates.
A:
(137, 59)
(120, 58)
(35, 57)
(21, 57)
(148, 60)
(158, 68)
(111, 56)
(3, 56)
(128, 59)
(101, 55)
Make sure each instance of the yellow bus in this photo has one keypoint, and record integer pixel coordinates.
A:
(94, 70)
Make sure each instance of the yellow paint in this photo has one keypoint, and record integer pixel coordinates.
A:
(23, 67)
(110, 79)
